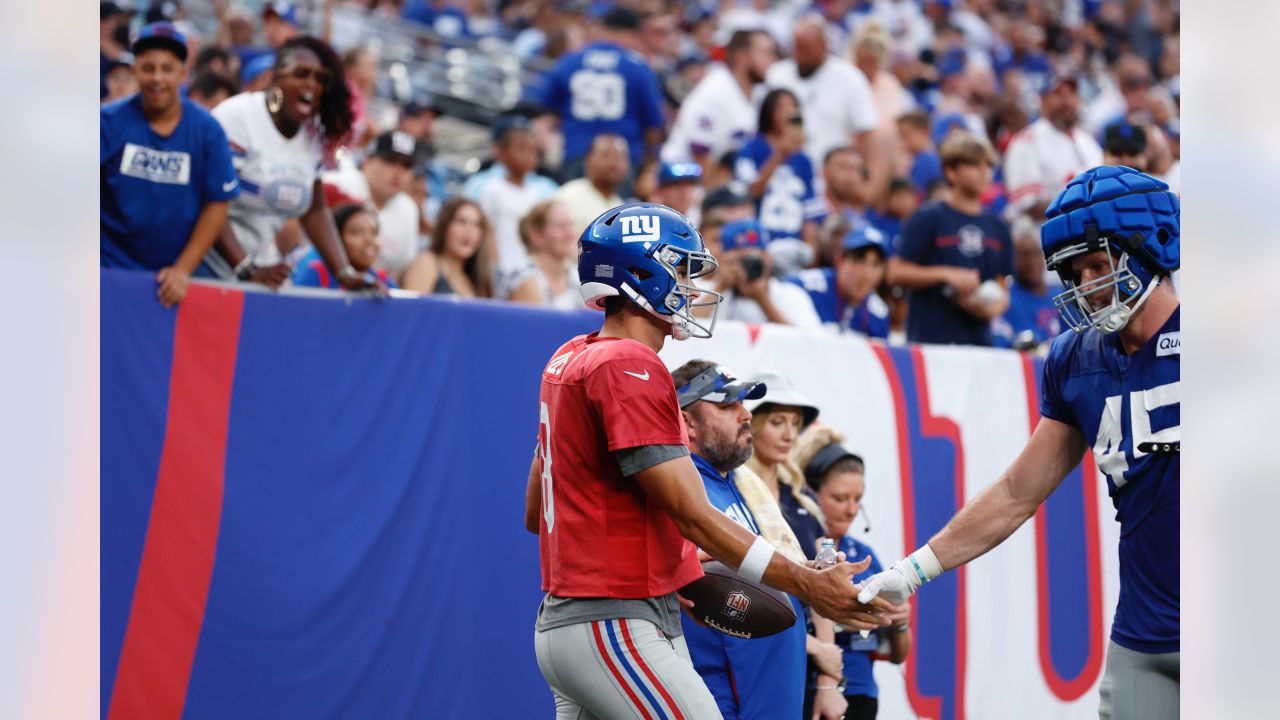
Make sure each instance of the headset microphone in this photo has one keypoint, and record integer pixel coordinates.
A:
(866, 518)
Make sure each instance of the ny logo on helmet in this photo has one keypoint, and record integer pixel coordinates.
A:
(640, 228)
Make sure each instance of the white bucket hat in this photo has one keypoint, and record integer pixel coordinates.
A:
(782, 392)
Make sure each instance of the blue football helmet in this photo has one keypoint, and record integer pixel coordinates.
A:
(1132, 216)
(649, 254)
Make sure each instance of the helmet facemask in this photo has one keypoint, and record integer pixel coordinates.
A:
(684, 297)
(1127, 283)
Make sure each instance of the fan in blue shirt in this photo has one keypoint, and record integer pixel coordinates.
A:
(1112, 385)
(779, 175)
(845, 296)
(1032, 318)
(165, 171)
(606, 88)
(760, 677)
(949, 248)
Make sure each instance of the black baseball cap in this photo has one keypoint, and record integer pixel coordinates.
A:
(396, 145)
(725, 196)
(1124, 138)
(419, 105)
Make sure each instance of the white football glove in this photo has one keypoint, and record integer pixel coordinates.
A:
(902, 580)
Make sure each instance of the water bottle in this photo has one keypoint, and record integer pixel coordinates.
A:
(826, 556)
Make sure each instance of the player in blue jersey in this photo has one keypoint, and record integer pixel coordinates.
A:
(749, 678)
(845, 295)
(165, 170)
(606, 87)
(1111, 385)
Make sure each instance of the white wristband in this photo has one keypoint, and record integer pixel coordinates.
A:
(925, 565)
(756, 560)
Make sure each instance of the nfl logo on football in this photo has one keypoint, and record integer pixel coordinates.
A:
(736, 604)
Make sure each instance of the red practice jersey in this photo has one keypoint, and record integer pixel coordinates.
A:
(601, 535)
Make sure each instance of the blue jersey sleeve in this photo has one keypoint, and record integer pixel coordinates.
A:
(1052, 404)
(917, 237)
(554, 97)
(650, 105)
(221, 183)
(310, 274)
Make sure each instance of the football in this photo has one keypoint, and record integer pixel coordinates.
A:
(723, 600)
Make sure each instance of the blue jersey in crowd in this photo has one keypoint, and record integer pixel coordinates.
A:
(1027, 311)
(789, 200)
(926, 171)
(938, 234)
(312, 272)
(604, 88)
(756, 678)
(1121, 402)
(870, 317)
(152, 187)
(857, 650)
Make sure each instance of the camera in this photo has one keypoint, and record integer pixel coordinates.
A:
(754, 266)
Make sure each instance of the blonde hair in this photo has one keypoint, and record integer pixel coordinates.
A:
(965, 148)
(535, 221)
(789, 474)
(873, 37)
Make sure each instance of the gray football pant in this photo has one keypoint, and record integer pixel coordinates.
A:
(610, 669)
(1139, 686)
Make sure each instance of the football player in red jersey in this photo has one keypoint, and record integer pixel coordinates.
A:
(617, 503)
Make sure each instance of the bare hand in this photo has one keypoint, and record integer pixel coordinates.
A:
(687, 604)
(757, 289)
(792, 141)
(829, 705)
(963, 280)
(173, 282)
(900, 614)
(829, 657)
(833, 595)
(273, 276)
(362, 281)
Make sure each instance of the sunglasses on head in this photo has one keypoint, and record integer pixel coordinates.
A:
(305, 72)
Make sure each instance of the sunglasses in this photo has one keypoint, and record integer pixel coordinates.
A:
(304, 72)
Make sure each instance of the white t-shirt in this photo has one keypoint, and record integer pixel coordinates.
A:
(836, 102)
(790, 300)
(716, 118)
(585, 202)
(397, 220)
(504, 204)
(1041, 160)
(277, 176)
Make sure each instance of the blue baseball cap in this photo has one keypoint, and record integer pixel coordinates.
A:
(742, 234)
(943, 126)
(160, 35)
(718, 385)
(670, 173)
(865, 236)
(257, 66)
(283, 10)
(952, 62)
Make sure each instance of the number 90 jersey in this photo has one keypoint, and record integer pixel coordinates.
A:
(600, 535)
(1125, 404)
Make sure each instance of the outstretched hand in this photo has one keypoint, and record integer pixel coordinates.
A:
(833, 595)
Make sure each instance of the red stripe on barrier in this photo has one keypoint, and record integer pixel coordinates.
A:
(1064, 689)
(644, 668)
(922, 704)
(613, 669)
(182, 533)
(937, 426)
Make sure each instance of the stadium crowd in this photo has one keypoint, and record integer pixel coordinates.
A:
(870, 166)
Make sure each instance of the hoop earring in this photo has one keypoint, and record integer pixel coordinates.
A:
(275, 100)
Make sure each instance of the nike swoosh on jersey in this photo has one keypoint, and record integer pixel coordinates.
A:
(229, 185)
(645, 376)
